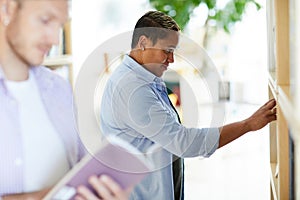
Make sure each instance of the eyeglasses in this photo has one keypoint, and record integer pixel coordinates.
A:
(167, 51)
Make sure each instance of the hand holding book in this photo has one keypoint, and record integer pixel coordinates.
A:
(112, 172)
(106, 188)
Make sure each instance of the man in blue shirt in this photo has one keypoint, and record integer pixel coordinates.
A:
(136, 108)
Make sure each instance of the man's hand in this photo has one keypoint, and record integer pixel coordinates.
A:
(262, 116)
(106, 189)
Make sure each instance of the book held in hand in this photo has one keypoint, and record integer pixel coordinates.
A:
(115, 158)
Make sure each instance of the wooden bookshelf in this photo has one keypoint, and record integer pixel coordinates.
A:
(57, 61)
(61, 56)
(281, 17)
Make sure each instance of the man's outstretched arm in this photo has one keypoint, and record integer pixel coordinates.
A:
(263, 116)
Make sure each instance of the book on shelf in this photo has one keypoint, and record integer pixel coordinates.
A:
(115, 158)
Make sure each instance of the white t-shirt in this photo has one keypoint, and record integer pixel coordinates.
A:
(45, 159)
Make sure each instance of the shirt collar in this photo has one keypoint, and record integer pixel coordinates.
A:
(44, 79)
(143, 73)
(140, 70)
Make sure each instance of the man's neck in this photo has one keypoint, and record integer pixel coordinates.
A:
(14, 71)
(13, 68)
(134, 54)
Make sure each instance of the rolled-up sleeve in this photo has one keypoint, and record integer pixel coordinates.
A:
(142, 110)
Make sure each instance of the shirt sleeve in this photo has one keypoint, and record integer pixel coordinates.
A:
(143, 111)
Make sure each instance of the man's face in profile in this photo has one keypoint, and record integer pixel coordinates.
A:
(34, 27)
(157, 57)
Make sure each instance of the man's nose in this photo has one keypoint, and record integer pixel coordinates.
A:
(170, 58)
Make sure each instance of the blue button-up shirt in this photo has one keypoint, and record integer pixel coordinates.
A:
(56, 95)
(132, 108)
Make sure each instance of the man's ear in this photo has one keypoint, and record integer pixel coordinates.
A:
(8, 10)
(143, 42)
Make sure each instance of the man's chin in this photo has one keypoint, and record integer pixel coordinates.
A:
(36, 63)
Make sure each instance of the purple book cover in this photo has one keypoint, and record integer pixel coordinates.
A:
(116, 158)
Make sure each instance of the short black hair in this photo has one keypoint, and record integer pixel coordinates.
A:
(154, 25)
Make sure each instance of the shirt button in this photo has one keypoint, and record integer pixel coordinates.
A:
(18, 161)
